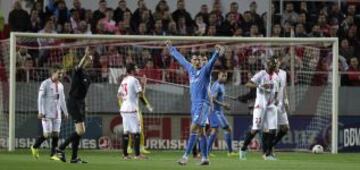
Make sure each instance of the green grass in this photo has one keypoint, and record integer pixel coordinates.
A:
(98, 160)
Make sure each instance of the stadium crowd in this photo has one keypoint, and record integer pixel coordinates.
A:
(299, 19)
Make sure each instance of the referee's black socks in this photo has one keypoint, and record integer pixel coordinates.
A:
(248, 138)
(39, 141)
(125, 144)
(54, 144)
(75, 146)
(137, 144)
(74, 136)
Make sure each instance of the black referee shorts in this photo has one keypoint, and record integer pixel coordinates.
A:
(76, 109)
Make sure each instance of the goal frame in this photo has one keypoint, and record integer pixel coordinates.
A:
(335, 72)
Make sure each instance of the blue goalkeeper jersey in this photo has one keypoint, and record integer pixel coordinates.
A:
(218, 90)
(199, 79)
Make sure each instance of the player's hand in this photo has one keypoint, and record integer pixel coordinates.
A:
(226, 106)
(220, 49)
(150, 108)
(168, 43)
(267, 86)
(66, 116)
(40, 116)
(88, 53)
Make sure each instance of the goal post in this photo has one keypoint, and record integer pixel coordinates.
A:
(334, 72)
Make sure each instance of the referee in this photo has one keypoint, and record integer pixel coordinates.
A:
(80, 82)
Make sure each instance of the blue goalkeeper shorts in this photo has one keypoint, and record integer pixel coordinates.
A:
(217, 118)
(199, 113)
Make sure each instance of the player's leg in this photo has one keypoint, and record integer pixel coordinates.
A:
(283, 126)
(47, 128)
(142, 135)
(201, 122)
(55, 138)
(227, 132)
(213, 120)
(125, 136)
(256, 126)
(135, 129)
(77, 111)
(271, 127)
(130, 145)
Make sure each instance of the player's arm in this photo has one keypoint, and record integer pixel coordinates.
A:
(251, 85)
(41, 102)
(119, 97)
(219, 51)
(215, 92)
(63, 103)
(86, 58)
(145, 101)
(178, 56)
(286, 100)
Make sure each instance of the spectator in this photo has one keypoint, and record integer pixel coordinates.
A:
(289, 14)
(81, 12)
(217, 10)
(254, 15)
(162, 12)
(287, 29)
(315, 32)
(335, 13)
(204, 13)
(300, 31)
(230, 25)
(200, 26)
(181, 12)
(158, 28)
(61, 12)
(150, 71)
(67, 29)
(147, 19)
(19, 19)
(172, 29)
(354, 72)
(75, 20)
(212, 31)
(276, 19)
(138, 17)
(346, 50)
(69, 60)
(213, 20)
(88, 16)
(120, 10)
(35, 21)
(116, 60)
(234, 9)
(142, 30)
(98, 14)
(4, 29)
(238, 32)
(254, 31)
(246, 24)
(21, 56)
(276, 31)
(38, 7)
(324, 26)
(26, 72)
(303, 20)
(182, 28)
(333, 31)
(108, 21)
(83, 28)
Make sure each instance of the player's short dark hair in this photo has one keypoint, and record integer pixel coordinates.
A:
(130, 68)
(55, 68)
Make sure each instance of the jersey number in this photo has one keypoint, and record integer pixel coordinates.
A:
(125, 89)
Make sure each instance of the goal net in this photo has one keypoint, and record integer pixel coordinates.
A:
(308, 63)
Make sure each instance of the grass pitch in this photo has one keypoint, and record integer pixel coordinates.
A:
(158, 160)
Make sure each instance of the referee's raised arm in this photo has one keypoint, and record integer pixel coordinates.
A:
(86, 58)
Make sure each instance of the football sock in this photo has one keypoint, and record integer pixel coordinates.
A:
(279, 136)
(228, 140)
(75, 146)
(211, 140)
(248, 138)
(137, 144)
(39, 141)
(125, 138)
(68, 140)
(203, 146)
(54, 144)
(190, 144)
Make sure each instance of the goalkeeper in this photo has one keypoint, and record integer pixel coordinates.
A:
(143, 149)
